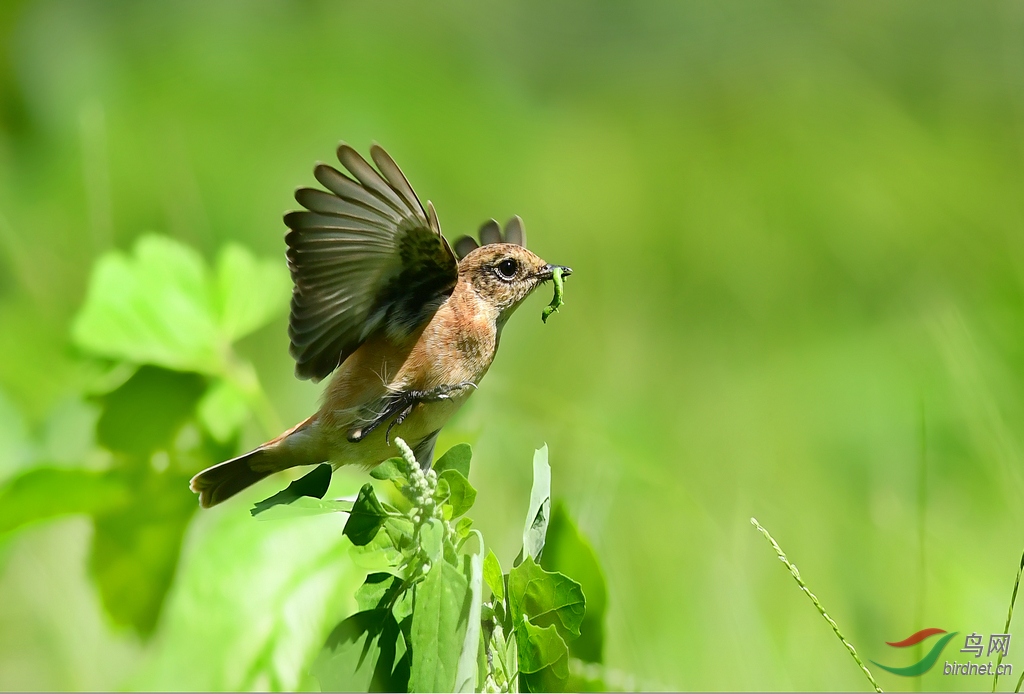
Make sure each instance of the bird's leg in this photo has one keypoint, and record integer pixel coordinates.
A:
(401, 404)
(415, 397)
(396, 421)
(440, 392)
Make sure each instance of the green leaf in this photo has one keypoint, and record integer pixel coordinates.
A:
(466, 673)
(45, 492)
(543, 658)
(390, 469)
(457, 457)
(313, 484)
(493, 576)
(540, 506)
(569, 553)
(366, 518)
(264, 596)
(135, 550)
(546, 597)
(461, 493)
(439, 622)
(154, 307)
(303, 507)
(431, 538)
(378, 555)
(146, 412)
(359, 654)
(160, 305)
(223, 410)
(463, 526)
(250, 292)
(377, 590)
(16, 449)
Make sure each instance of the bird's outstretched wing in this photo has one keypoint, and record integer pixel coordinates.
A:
(365, 256)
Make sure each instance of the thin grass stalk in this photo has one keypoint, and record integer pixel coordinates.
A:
(1006, 629)
(817, 603)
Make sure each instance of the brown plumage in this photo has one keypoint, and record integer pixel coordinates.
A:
(382, 301)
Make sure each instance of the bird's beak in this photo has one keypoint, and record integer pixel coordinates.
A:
(548, 271)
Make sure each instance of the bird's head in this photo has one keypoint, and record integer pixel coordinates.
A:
(504, 274)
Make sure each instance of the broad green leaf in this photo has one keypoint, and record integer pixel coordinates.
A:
(161, 306)
(153, 307)
(359, 654)
(312, 484)
(493, 575)
(250, 292)
(543, 658)
(303, 507)
(366, 518)
(135, 550)
(439, 622)
(45, 492)
(461, 493)
(375, 589)
(401, 530)
(223, 410)
(261, 597)
(16, 450)
(466, 674)
(569, 553)
(146, 412)
(463, 526)
(390, 469)
(540, 506)
(457, 457)
(431, 538)
(546, 597)
(380, 554)
(442, 491)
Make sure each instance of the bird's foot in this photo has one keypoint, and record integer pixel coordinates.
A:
(400, 405)
(415, 397)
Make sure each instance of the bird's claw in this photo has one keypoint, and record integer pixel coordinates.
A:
(402, 404)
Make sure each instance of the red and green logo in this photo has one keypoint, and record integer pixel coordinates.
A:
(924, 664)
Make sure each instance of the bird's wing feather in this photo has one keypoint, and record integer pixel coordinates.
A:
(364, 256)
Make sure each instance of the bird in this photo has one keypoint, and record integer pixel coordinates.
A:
(407, 323)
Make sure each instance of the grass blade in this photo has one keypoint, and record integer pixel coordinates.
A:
(1006, 629)
(817, 603)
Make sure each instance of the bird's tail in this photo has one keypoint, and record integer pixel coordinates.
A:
(297, 446)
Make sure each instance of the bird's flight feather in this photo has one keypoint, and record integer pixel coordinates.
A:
(364, 257)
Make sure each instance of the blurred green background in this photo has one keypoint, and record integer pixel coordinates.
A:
(798, 236)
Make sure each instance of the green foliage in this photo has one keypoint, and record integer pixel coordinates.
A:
(567, 551)
(536, 529)
(44, 492)
(145, 413)
(439, 622)
(312, 485)
(162, 305)
(173, 404)
(366, 517)
(547, 597)
(543, 658)
(423, 623)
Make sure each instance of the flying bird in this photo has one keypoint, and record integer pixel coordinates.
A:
(407, 325)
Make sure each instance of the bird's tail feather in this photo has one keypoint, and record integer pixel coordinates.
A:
(222, 481)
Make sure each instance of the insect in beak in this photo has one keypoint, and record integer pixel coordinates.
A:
(548, 271)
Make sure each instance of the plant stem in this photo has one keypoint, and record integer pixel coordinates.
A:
(817, 604)
(1006, 629)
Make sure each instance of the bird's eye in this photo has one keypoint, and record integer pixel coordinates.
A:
(507, 268)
